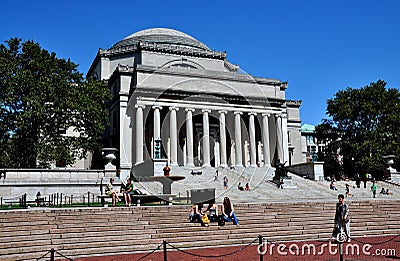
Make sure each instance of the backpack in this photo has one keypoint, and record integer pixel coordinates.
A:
(205, 219)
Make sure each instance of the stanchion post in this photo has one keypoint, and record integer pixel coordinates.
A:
(260, 247)
(165, 250)
(52, 254)
(341, 251)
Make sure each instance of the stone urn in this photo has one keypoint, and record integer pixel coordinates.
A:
(109, 156)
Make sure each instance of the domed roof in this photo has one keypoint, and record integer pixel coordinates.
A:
(161, 36)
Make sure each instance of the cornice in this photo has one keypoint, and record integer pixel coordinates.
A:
(163, 48)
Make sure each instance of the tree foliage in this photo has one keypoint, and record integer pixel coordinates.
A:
(48, 111)
(363, 127)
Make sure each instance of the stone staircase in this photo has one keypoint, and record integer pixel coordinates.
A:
(78, 232)
(262, 190)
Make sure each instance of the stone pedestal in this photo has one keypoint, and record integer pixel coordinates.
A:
(390, 172)
(159, 164)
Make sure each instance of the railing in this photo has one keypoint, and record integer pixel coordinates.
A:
(52, 200)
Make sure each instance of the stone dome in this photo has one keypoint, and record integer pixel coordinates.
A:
(161, 36)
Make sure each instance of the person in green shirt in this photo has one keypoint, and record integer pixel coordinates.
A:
(128, 192)
(373, 189)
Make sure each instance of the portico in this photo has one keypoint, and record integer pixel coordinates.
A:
(206, 145)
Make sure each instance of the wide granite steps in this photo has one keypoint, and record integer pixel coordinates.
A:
(103, 231)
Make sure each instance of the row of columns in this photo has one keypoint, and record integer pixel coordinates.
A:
(206, 136)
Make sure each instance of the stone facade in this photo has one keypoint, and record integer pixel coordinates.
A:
(170, 87)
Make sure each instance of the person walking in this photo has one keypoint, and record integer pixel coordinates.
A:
(225, 182)
(342, 218)
(216, 175)
(348, 191)
(373, 189)
(365, 180)
(357, 180)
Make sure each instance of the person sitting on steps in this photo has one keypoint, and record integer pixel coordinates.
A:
(228, 211)
(348, 191)
(240, 187)
(111, 192)
(332, 185)
(212, 210)
(196, 215)
(128, 192)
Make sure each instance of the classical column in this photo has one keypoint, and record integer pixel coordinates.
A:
(232, 157)
(238, 140)
(189, 137)
(265, 139)
(222, 133)
(279, 140)
(206, 138)
(157, 125)
(173, 133)
(126, 116)
(139, 133)
(285, 139)
(253, 148)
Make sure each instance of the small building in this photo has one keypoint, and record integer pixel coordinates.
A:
(309, 143)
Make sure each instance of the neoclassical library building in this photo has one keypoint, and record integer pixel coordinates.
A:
(176, 99)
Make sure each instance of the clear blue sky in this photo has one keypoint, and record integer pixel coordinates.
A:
(318, 46)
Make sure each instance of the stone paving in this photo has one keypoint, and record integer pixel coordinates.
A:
(263, 190)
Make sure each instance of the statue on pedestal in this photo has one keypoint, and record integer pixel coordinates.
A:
(280, 171)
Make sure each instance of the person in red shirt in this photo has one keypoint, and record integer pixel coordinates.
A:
(166, 170)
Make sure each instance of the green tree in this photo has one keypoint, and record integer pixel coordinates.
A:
(48, 111)
(363, 127)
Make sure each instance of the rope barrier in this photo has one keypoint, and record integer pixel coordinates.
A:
(379, 243)
(226, 254)
(52, 251)
(222, 255)
(43, 255)
(63, 256)
(305, 248)
(154, 250)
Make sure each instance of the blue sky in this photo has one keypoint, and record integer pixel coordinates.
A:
(318, 46)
